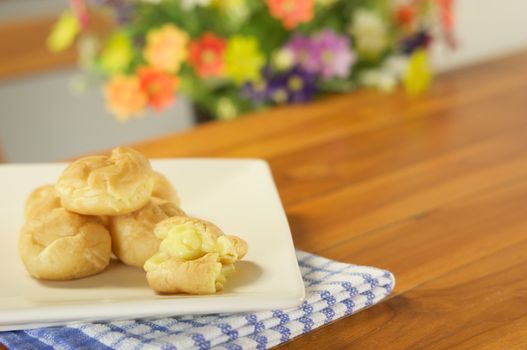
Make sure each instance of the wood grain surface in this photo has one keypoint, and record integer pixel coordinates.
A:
(432, 188)
(23, 45)
(23, 48)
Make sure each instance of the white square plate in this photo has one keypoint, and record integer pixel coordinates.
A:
(238, 195)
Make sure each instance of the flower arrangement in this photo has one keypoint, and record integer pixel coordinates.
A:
(233, 56)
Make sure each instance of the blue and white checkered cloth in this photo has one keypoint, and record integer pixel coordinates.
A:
(333, 290)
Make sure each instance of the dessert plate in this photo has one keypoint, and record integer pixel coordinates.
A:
(237, 194)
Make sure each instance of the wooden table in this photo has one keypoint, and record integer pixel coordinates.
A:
(432, 188)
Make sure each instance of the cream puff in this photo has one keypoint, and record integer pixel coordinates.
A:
(61, 245)
(163, 189)
(107, 185)
(191, 245)
(133, 239)
(40, 201)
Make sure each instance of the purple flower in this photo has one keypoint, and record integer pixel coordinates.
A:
(335, 53)
(412, 43)
(305, 52)
(294, 86)
(256, 92)
(326, 53)
(298, 85)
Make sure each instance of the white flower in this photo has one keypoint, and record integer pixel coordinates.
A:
(378, 79)
(396, 65)
(226, 110)
(369, 32)
(237, 12)
(87, 48)
(387, 76)
(326, 2)
(190, 4)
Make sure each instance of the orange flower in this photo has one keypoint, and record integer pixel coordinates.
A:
(291, 12)
(166, 47)
(406, 14)
(206, 55)
(158, 86)
(124, 96)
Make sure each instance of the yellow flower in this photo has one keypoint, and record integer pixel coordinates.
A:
(166, 48)
(116, 53)
(417, 77)
(63, 32)
(124, 96)
(243, 59)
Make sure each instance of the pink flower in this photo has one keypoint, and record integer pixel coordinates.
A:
(291, 12)
(80, 10)
(327, 53)
(335, 54)
(305, 52)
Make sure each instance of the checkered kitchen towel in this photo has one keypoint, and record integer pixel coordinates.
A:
(333, 290)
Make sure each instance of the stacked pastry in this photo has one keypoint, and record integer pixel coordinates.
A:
(118, 204)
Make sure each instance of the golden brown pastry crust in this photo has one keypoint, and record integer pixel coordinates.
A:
(101, 185)
(41, 201)
(199, 276)
(240, 250)
(133, 239)
(163, 189)
(61, 245)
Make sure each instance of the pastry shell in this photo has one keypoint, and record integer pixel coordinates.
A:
(163, 189)
(107, 185)
(133, 239)
(41, 201)
(205, 275)
(61, 245)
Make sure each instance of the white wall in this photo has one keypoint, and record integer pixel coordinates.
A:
(485, 29)
(15, 9)
(42, 120)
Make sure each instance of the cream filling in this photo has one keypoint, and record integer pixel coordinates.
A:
(186, 242)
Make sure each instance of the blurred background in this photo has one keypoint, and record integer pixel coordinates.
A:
(42, 118)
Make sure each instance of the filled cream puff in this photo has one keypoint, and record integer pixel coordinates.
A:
(133, 238)
(61, 245)
(107, 185)
(194, 256)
